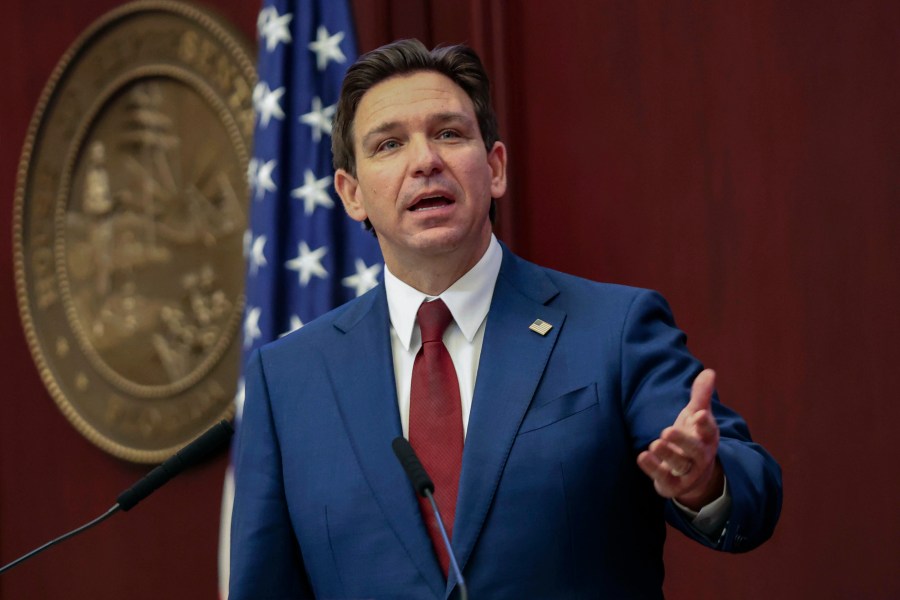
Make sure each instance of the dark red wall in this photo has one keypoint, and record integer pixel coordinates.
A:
(740, 156)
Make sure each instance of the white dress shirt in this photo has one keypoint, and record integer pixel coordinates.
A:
(469, 300)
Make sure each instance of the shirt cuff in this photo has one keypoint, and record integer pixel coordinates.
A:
(711, 518)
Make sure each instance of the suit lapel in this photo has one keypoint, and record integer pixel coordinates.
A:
(513, 359)
(363, 381)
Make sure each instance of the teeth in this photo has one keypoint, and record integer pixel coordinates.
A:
(431, 203)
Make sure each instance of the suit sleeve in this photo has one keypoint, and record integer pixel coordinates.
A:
(657, 373)
(266, 562)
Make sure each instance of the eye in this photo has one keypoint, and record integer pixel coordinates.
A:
(387, 146)
(448, 134)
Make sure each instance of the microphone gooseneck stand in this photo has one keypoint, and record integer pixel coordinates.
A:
(213, 440)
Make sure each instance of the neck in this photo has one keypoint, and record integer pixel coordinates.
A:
(433, 274)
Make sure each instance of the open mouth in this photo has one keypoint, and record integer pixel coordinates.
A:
(430, 203)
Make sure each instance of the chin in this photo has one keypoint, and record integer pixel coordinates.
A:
(452, 241)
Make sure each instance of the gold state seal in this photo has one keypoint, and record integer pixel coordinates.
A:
(129, 216)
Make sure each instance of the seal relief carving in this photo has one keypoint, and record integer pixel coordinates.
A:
(129, 216)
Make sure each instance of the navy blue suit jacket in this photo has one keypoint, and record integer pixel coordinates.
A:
(551, 502)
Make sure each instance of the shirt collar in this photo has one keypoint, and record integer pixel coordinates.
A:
(469, 298)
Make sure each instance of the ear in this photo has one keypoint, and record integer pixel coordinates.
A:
(347, 187)
(497, 162)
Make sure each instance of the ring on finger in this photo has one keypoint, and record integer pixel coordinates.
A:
(683, 471)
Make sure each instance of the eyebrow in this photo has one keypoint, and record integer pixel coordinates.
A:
(439, 119)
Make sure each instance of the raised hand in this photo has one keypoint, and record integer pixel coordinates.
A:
(682, 462)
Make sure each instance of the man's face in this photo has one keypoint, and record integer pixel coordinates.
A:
(423, 176)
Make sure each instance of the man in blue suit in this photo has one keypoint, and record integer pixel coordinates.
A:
(587, 424)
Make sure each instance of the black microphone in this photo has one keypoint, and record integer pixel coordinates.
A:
(413, 466)
(204, 446)
(424, 487)
(201, 448)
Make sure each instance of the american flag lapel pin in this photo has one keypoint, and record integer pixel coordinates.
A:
(540, 327)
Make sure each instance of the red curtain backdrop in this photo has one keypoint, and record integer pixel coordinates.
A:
(739, 156)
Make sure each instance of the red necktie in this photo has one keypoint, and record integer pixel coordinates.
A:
(435, 420)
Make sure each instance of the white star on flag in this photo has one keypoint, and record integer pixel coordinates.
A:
(313, 191)
(274, 27)
(365, 278)
(327, 47)
(267, 103)
(264, 182)
(248, 239)
(239, 397)
(257, 254)
(308, 263)
(251, 325)
(295, 324)
(252, 169)
(319, 118)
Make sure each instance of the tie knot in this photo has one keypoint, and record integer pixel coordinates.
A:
(433, 318)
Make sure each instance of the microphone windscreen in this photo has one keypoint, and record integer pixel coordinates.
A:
(210, 442)
(412, 465)
(204, 446)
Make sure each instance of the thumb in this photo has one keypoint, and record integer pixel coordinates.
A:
(702, 391)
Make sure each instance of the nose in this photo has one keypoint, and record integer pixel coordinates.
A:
(426, 159)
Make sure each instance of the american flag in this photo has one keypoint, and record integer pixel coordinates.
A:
(304, 255)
